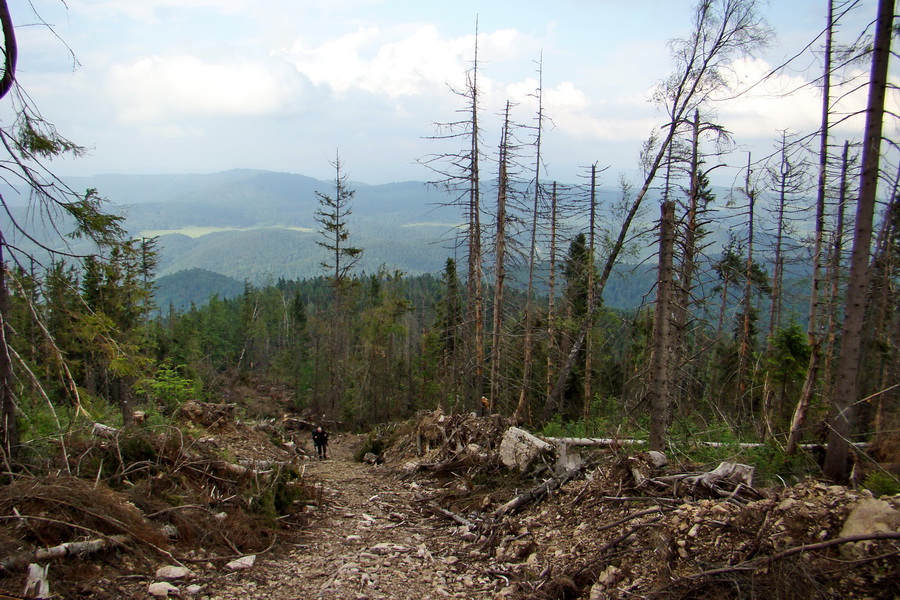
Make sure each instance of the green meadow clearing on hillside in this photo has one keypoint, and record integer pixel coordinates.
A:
(196, 232)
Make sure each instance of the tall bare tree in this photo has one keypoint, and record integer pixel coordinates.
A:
(812, 370)
(462, 178)
(660, 358)
(500, 253)
(536, 210)
(836, 466)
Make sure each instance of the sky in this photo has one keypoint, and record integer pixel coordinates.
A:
(201, 86)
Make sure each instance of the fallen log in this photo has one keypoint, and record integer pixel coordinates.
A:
(535, 494)
(451, 515)
(729, 480)
(614, 442)
(104, 431)
(23, 559)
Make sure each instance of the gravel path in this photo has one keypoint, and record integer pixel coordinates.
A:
(369, 540)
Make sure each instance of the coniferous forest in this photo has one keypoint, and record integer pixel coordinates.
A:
(787, 334)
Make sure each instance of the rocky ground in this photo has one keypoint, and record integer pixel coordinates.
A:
(433, 520)
(369, 539)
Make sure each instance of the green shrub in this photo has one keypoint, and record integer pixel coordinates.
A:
(375, 442)
(881, 484)
(169, 387)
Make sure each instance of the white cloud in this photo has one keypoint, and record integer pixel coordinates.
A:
(162, 89)
(778, 103)
(788, 102)
(361, 60)
(408, 62)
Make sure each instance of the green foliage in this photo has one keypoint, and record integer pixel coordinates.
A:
(134, 447)
(771, 464)
(605, 419)
(881, 484)
(790, 353)
(275, 497)
(36, 136)
(169, 387)
(194, 286)
(374, 443)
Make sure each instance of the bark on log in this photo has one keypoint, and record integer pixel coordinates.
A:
(451, 515)
(104, 431)
(535, 494)
(23, 559)
(613, 442)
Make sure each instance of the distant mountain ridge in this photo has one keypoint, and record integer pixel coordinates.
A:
(260, 225)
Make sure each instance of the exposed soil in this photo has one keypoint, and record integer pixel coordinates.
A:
(369, 539)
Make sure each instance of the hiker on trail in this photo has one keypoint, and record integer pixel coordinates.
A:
(320, 440)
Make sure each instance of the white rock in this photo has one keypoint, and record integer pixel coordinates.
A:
(161, 589)
(173, 572)
(244, 562)
(518, 449)
(658, 458)
(869, 516)
(193, 590)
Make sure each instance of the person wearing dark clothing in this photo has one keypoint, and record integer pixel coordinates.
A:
(320, 441)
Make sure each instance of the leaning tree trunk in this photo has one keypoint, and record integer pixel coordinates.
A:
(812, 370)
(847, 386)
(9, 431)
(834, 276)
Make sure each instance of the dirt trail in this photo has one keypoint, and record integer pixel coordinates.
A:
(369, 540)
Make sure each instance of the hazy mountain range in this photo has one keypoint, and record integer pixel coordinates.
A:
(259, 226)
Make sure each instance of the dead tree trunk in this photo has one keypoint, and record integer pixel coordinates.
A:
(722, 30)
(836, 465)
(812, 370)
(834, 276)
(474, 284)
(551, 402)
(746, 341)
(660, 359)
(499, 260)
(588, 350)
(528, 351)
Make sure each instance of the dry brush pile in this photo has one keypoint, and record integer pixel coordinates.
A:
(123, 502)
(627, 528)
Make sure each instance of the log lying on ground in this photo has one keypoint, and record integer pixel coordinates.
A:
(451, 515)
(614, 442)
(20, 561)
(535, 494)
(104, 431)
